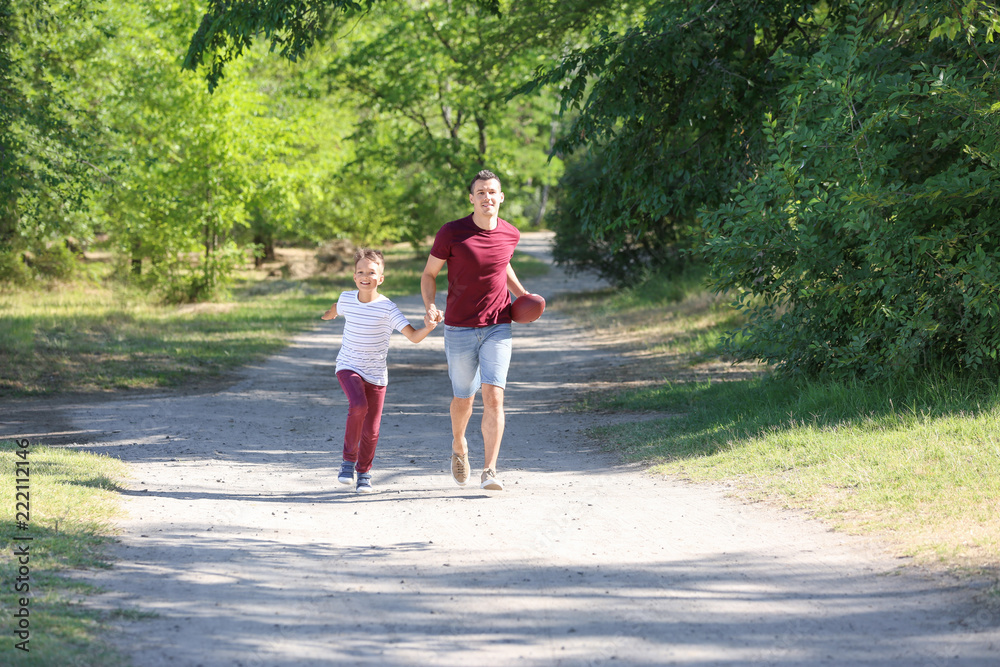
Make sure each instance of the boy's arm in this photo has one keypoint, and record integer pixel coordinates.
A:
(330, 314)
(417, 335)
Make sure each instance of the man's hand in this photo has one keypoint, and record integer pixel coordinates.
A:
(434, 314)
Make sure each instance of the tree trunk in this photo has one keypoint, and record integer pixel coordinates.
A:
(537, 222)
(266, 241)
(481, 124)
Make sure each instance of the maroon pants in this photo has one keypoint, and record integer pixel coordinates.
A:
(364, 416)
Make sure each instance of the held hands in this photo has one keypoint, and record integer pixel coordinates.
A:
(428, 322)
(434, 314)
(330, 314)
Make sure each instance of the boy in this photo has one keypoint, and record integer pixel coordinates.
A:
(370, 319)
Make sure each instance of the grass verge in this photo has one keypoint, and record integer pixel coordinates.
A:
(70, 500)
(916, 463)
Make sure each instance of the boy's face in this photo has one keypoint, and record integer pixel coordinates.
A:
(368, 275)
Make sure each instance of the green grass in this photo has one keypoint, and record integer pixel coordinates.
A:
(73, 501)
(97, 337)
(915, 462)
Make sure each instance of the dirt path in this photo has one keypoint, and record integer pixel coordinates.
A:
(242, 543)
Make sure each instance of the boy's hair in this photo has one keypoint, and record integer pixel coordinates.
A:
(484, 175)
(369, 254)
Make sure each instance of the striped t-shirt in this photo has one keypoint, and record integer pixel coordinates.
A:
(367, 327)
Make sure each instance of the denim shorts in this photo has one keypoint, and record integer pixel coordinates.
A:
(477, 356)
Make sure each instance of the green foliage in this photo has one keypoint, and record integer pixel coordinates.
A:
(292, 27)
(228, 30)
(866, 244)
(56, 261)
(669, 110)
(622, 259)
(11, 102)
(49, 133)
(203, 176)
(106, 139)
(432, 81)
(13, 269)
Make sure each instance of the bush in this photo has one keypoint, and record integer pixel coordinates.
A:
(54, 261)
(625, 257)
(13, 270)
(867, 245)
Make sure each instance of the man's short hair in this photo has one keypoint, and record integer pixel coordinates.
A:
(484, 175)
(370, 255)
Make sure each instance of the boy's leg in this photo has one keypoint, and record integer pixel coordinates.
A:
(357, 410)
(370, 429)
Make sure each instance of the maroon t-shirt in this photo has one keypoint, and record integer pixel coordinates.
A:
(477, 271)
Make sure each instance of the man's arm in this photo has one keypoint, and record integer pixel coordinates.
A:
(513, 284)
(428, 286)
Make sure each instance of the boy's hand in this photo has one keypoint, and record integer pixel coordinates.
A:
(330, 314)
(429, 322)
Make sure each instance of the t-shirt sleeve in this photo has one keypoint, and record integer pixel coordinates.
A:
(397, 320)
(442, 243)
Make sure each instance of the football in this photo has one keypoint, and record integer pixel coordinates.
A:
(527, 308)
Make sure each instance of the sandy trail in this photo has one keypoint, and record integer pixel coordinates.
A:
(242, 543)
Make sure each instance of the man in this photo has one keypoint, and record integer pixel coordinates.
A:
(477, 340)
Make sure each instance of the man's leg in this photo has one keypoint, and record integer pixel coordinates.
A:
(493, 424)
(461, 348)
(461, 412)
(494, 359)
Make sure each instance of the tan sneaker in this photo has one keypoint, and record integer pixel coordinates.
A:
(460, 469)
(490, 481)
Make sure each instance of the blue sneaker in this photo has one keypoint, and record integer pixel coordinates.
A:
(346, 475)
(364, 482)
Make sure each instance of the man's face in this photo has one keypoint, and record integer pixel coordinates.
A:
(486, 197)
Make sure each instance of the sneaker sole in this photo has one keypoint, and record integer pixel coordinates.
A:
(346, 480)
(491, 485)
(366, 489)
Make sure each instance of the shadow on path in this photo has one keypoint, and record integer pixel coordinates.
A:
(248, 552)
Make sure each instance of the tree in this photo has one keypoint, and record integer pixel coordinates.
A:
(669, 112)
(230, 28)
(201, 167)
(51, 140)
(11, 102)
(431, 81)
(436, 79)
(866, 243)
